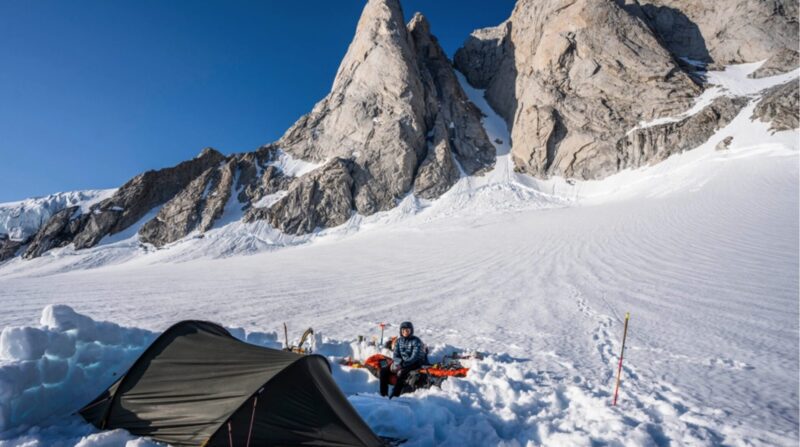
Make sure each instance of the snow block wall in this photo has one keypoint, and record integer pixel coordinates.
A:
(54, 369)
(48, 372)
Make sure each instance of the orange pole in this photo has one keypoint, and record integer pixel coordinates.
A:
(621, 353)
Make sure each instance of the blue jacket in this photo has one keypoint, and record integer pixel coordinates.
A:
(408, 351)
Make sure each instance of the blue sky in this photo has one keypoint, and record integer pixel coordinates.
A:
(93, 92)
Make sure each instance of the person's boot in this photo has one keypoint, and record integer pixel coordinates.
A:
(384, 379)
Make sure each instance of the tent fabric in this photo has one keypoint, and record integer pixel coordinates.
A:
(198, 385)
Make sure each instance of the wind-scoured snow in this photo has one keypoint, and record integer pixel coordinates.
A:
(20, 220)
(701, 249)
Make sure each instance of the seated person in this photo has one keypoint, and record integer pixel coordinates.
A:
(408, 355)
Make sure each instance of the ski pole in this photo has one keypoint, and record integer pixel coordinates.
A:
(382, 325)
(621, 353)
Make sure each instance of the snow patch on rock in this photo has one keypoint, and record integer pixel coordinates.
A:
(292, 166)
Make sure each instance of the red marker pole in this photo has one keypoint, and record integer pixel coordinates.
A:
(622, 352)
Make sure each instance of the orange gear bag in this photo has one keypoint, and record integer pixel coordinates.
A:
(377, 361)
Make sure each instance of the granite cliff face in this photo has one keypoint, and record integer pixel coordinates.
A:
(577, 81)
(573, 78)
(726, 32)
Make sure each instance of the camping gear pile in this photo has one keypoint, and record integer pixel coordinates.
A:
(301, 347)
(431, 374)
(425, 377)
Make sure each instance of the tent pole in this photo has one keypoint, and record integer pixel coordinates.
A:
(252, 418)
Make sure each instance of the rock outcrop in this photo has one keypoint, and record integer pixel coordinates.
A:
(196, 207)
(573, 78)
(721, 33)
(392, 87)
(483, 54)
(258, 176)
(438, 171)
(781, 62)
(724, 144)
(320, 199)
(9, 247)
(57, 232)
(129, 204)
(141, 194)
(780, 106)
(653, 144)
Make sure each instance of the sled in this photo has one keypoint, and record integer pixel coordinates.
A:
(425, 377)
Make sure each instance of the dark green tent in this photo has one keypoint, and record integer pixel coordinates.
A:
(197, 385)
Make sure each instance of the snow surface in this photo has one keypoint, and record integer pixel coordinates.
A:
(22, 219)
(701, 249)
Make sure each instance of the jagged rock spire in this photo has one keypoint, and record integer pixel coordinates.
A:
(374, 114)
(397, 111)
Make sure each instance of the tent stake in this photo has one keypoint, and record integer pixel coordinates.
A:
(621, 353)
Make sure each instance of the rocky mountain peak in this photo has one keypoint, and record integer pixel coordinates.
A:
(419, 23)
(382, 107)
(381, 27)
(378, 70)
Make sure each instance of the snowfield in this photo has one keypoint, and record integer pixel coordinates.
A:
(701, 249)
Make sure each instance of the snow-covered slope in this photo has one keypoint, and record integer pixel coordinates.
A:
(702, 250)
(22, 219)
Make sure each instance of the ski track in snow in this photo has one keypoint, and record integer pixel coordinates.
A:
(701, 249)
